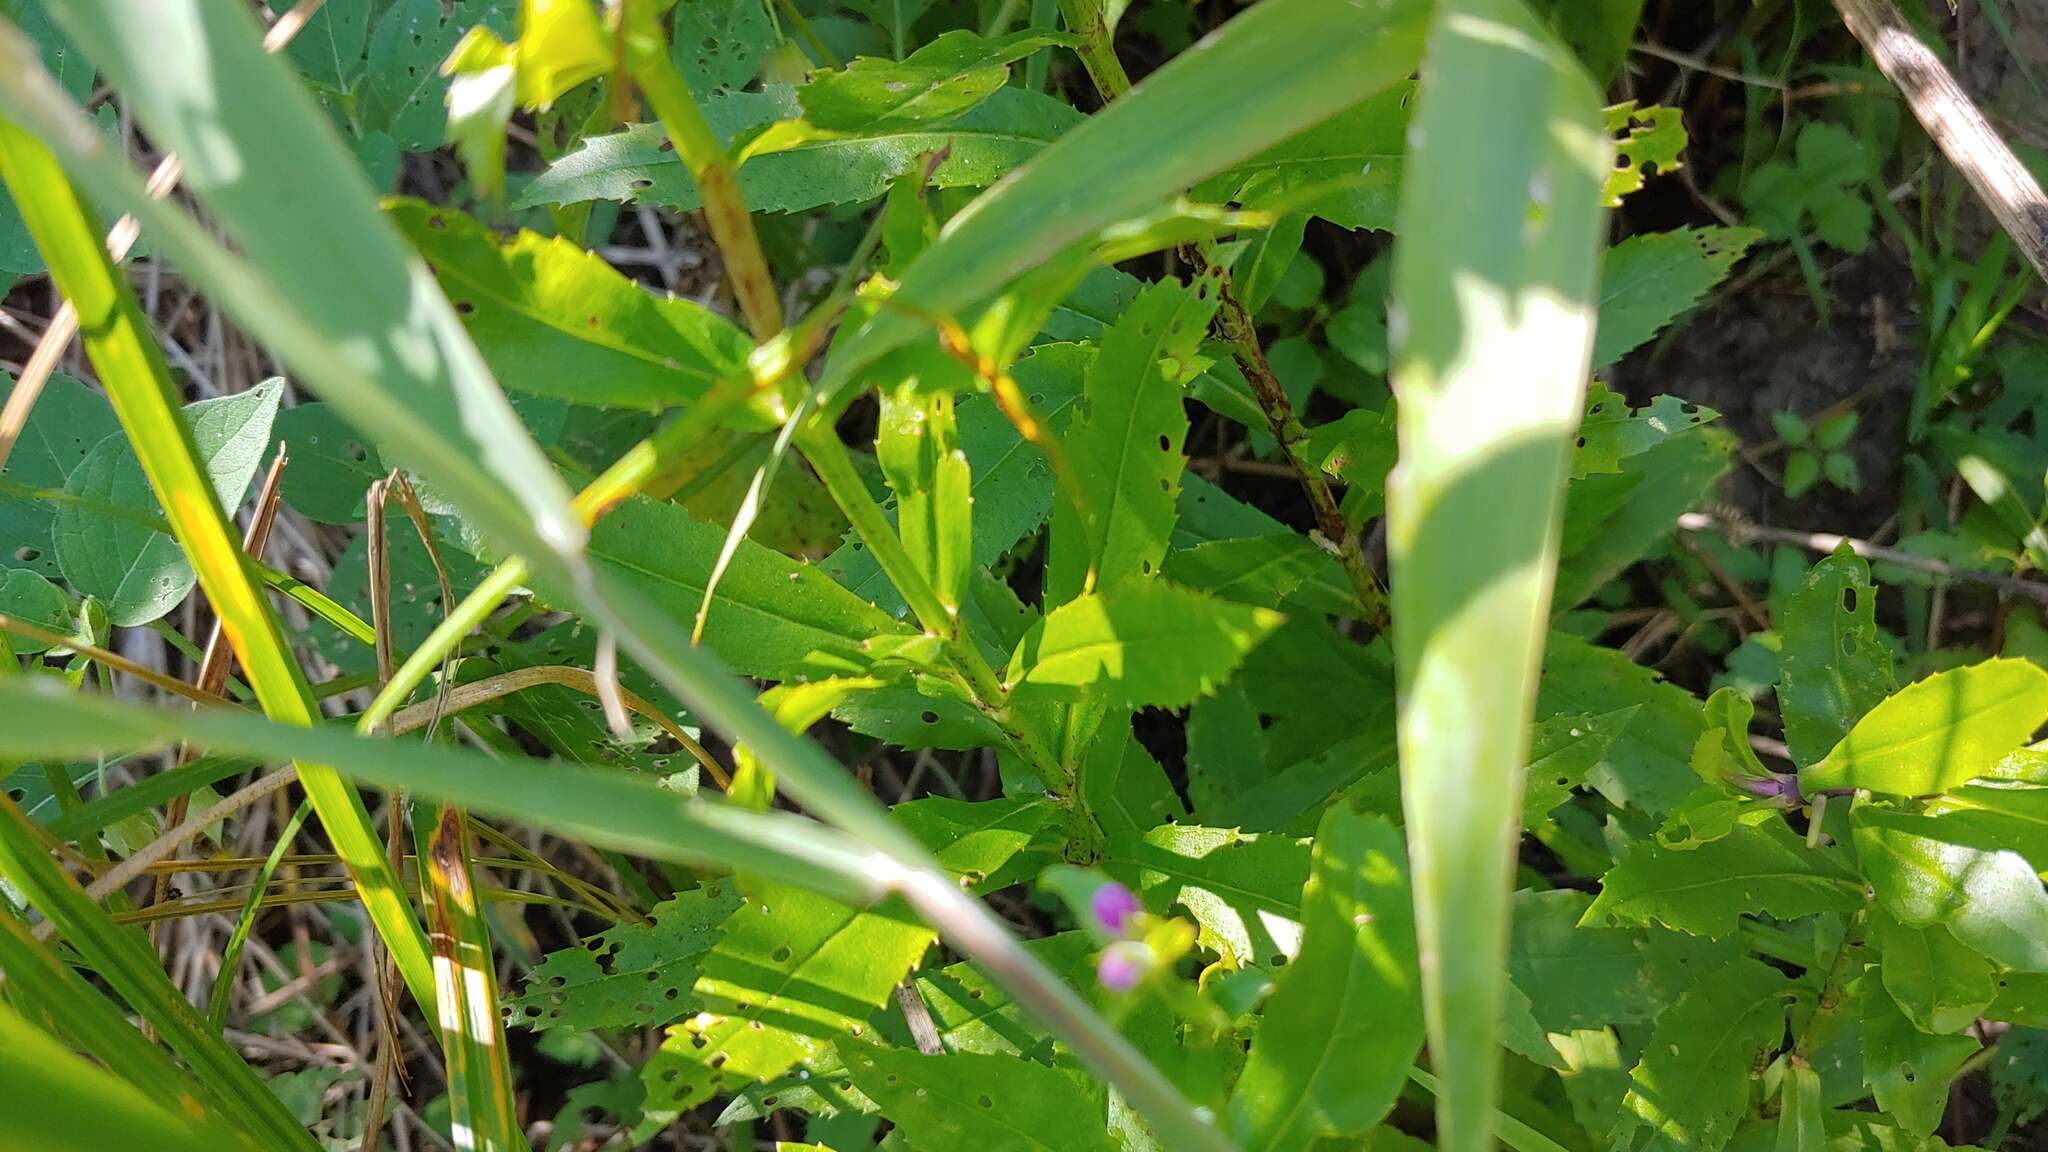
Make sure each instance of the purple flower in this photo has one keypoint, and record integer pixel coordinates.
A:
(1114, 906)
(1122, 965)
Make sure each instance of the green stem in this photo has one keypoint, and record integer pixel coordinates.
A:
(1086, 19)
(725, 208)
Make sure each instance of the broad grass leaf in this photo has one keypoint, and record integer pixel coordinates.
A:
(1345, 1019)
(630, 975)
(1706, 890)
(1938, 733)
(1833, 667)
(993, 1102)
(59, 1100)
(1926, 871)
(554, 320)
(986, 143)
(68, 421)
(1148, 643)
(137, 572)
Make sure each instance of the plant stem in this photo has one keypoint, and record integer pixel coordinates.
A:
(1086, 19)
(725, 209)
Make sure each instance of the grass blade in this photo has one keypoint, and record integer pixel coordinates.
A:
(1275, 69)
(54, 1099)
(481, 1109)
(132, 369)
(1494, 280)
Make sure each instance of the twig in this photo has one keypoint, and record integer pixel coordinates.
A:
(112, 660)
(1697, 64)
(1955, 124)
(120, 239)
(1825, 542)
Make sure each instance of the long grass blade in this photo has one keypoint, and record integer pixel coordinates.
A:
(56, 1100)
(132, 369)
(1494, 282)
(482, 1115)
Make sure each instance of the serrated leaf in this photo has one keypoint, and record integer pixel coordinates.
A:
(1346, 170)
(1610, 522)
(1693, 1082)
(555, 320)
(1146, 644)
(1207, 513)
(1833, 667)
(1345, 1019)
(138, 572)
(1938, 733)
(1651, 279)
(1576, 977)
(1125, 444)
(1243, 889)
(985, 844)
(630, 975)
(1908, 1071)
(769, 612)
(793, 972)
(1610, 432)
(1226, 751)
(1123, 789)
(1262, 570)
(1926, 872)
(68, 421)
(1705, 890)
(983, 144)
(332, 467)
(1562, 751)
(946, 76)
(968, 1100)
(27, 596)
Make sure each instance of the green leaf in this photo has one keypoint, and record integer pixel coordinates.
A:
(1612, 521)
(1693, 1082)
(68, 421)
(997, 1103)
(25, 595)
(554, 320)
(1226, 751)
(631, 975)
(1706, 890)
(56, 1099)
(1146, 644)
(918, 448)
(331, 468)
(1243, 889)
(1647, 142)
(1123, 789)
(986, 843)
(406, 93)
(1908, 1071)
(985, 143)
(329, 49)
(1272, 71)
(1939, 984)
(720, 45)
(1610, 433)
(1576, 977)
(1346, 169)
(1343, 1025)
(792, 969)
(1938, 733)
(945, 77)
(139, 573)
(1833, 666)
(975, 1014)
(769, 613)
(1926, 874)
(1649, 765)
(1653, 278)
(1126, 443)
(1598, 31)
(1262, 570)
(1207, 513)
(1563, 750)
(1802, 1124)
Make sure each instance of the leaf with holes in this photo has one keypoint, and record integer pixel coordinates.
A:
(554, 320)
(140, 573)
(945, 77)
(405, 92)
(1706, 890)
(631, 975)
(26, 596)
(1833, 667)
(1243, 889)
(1611, 433)
(331, 468)
(1653, 278)
(720, 45)
(1647, 142)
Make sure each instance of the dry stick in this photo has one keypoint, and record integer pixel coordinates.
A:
(220, 656)
(1825, 542)
(1955, 124)
(113, 660)
(56, 339)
